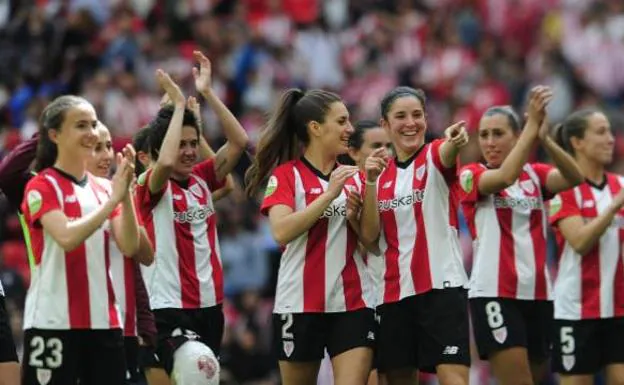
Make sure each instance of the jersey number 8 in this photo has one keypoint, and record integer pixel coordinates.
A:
(494, 316)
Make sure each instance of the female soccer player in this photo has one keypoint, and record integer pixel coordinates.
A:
(125, 281)
(503, 201)
(589, 290)
(368, 137)
(323, 287)
(185, 283)
(410, 211)
(72, 326)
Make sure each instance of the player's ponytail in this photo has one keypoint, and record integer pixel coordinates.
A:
(286, 133)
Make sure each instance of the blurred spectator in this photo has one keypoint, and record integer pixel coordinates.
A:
(466, 54)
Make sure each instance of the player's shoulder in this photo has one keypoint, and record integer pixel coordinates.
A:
(42, 178)
(612, 177)
(286, 167)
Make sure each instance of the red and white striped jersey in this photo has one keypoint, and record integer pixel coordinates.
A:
(590, 286)
(182, 225)
(509, 234)
(122, 272)
(419, 235)
(375, 266)
(68, 289)
(320, 270)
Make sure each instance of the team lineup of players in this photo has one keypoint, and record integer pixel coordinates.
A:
(371, 271)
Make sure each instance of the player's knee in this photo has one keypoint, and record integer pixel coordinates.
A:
(195, 364)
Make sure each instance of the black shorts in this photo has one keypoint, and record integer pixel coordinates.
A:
(503, 323)
(587, 346)
(424, 331)
(148, 358)
(7, 345)
(176, 326)
(65, 357)
(131, 347)
(303, 337)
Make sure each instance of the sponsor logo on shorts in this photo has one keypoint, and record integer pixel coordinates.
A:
(450, 350)
(289, 347)
(500, 334)
(568, 361)
(44, 376)
(371, 336)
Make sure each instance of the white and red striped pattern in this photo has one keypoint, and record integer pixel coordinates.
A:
(182, 225)
(320, 271)
(69, 290)
(590, 286)
(419, 237)
(122, 273)
(509, 235)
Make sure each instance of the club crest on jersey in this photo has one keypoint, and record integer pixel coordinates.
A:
(555, 205)
(500, 334)
(528, 186)
(44, 376)
(289, 347)
(271, 186)
(466, 180)
(197, 191)
(34, 200)
(568, 361)
(420, 172)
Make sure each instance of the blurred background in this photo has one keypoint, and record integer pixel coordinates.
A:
(466, 54)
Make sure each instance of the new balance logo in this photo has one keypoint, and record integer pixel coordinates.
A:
(450, 350)
(371, 336)
(316, 190)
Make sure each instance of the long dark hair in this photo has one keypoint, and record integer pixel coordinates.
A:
(52, 117)
(286, 133)
(157, 128)
(574, 125)
(140, 142)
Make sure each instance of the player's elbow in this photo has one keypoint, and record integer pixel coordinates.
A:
(241, 142)
(281, 237)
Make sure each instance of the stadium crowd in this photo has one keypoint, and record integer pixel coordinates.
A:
(467, 55)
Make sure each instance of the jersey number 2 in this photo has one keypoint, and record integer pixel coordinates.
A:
(39, 345)
(287, 319)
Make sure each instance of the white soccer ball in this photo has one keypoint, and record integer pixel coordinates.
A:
(195, 364)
